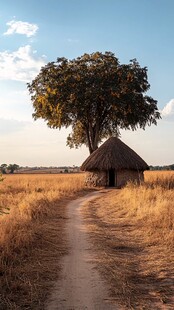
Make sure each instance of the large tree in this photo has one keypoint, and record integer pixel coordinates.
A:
(94, 94)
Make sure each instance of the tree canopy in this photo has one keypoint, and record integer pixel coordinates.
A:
(95, 94)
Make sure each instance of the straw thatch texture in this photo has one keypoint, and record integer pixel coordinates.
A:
(114, 154)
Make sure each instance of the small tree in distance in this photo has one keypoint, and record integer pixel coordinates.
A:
(3, 168)
(94, 94)
(13, 167)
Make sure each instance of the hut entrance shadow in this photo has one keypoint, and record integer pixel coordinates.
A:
(112, 178)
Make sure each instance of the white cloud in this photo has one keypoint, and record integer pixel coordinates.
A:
(168, 110)
(20, 27)
(21, 65)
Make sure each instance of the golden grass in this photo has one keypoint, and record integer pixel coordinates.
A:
(32, 237)
(132, 229)
(152, 204)
(133, 233)
(163, 179)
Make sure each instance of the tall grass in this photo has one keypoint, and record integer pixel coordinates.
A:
(164, 179)
(132, 230)
(28, 195)
(31, 197)
(32, 208)
(152, 204)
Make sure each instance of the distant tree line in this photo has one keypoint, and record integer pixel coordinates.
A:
(11, 168)
(169, 167)
(14, 168)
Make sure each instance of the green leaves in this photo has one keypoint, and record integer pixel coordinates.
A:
(94, 94)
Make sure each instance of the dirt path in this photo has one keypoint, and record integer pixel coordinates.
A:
(81, 286)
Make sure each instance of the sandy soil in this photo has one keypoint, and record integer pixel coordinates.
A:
(81, 286)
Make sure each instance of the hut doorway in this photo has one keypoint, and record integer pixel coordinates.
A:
(112, 178)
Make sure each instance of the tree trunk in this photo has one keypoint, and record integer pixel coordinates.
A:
(89, 142)
(93, 139)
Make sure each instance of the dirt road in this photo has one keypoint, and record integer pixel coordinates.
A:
(81, 286)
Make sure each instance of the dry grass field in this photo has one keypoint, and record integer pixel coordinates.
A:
(133, 234)
(32, 237)
(132, 231)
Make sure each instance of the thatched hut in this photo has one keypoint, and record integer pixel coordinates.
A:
(113, 164)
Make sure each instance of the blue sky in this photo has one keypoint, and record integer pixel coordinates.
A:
(33, 33)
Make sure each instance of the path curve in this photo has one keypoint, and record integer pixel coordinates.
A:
(81, 286)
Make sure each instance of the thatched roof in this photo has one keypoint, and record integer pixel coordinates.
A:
(114, 154)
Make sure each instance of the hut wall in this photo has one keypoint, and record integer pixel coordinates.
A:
(123, 176)
(97, 178)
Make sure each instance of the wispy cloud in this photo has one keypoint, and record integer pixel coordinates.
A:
(168, 110)
(72, 40)
(20, 27)
(21, 65)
